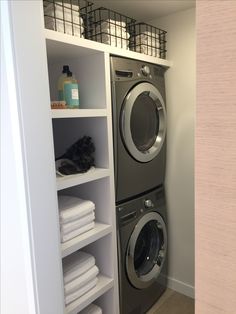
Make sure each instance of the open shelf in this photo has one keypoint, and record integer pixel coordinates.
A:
(100, 230)
(103, 285)
(76, 179)
(60, 45)
(78, 113)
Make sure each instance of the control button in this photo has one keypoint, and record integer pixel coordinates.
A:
(141, 210)
(148, 203)
(145, 70)
(139, 74)
(120, 209)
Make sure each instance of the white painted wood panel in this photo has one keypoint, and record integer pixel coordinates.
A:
(33, 114)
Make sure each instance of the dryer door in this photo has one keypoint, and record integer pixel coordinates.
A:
(143, 122)
(146, 251)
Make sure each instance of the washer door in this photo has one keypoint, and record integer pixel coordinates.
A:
(146, 250)
(143, 122)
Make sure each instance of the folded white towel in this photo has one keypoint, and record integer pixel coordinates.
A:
(72, 208)
(70, 226)
(77, 232)
(58, 25)
(76, 264)
(91, 309)
(81, 281)
(75, 295)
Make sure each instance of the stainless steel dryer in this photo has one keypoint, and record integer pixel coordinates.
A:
(139, 126)
(142, 251)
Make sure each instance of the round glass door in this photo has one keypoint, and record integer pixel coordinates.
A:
(146, 250)
(143, 122)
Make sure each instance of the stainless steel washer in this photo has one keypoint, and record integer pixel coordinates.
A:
(142, 251)
(139, 126)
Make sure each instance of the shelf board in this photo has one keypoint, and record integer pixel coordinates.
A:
(103, 285)
(60, 45)
(76, 179)
(78, 113)
(100, 230)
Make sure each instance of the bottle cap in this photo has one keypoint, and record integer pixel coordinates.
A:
(66, 69)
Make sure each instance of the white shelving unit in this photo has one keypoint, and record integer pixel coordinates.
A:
(76, 179)
(90, 63)
(78, 113)
(100, 230)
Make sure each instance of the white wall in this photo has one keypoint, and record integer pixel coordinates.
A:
(180, 92)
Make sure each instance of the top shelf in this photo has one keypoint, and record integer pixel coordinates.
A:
(60, 45)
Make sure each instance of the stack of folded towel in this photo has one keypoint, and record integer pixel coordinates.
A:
(147, 43)
(91, 309)
(112, 32)
(76, 216)
(64, 17)
(80, 275)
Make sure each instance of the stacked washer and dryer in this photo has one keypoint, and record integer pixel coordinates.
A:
(139, 131)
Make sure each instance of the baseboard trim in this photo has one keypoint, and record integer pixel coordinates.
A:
(181, 287)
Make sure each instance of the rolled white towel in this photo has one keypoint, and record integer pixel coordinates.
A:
(147, 41)
(58, 25)
(67, 17)
(72, 208)
(59, 8)
(81, 281)
(70, 226)
(145, 34)
(113, 30)
(113, 41)
(76, 264)
(77, 294)
(148, 50)
(91, 309)
(109, 22)
(77, 232)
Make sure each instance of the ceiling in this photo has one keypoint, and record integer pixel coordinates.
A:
(146, 10)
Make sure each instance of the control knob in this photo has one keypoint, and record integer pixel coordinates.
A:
(148, 203)
(145, 70)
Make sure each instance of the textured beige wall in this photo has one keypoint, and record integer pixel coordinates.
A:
(215, 205)
(180, 93)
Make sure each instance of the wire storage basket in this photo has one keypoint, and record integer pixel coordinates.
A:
(148, 39)
(67, 16)
(109, 27)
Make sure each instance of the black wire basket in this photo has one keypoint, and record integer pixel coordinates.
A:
(67, 16)
(109, 27)
(148, 39)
